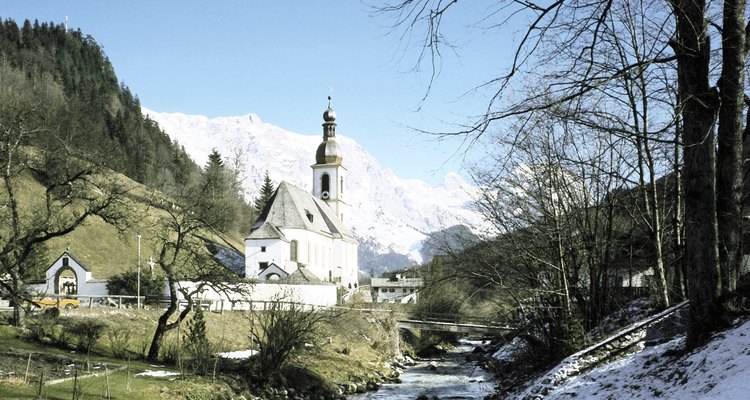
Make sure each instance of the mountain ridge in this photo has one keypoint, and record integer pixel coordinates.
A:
(390, 216)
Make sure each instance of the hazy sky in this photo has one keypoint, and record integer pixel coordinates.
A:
(277, 59)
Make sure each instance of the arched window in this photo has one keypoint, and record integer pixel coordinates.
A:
(325, 183)
(293, 250)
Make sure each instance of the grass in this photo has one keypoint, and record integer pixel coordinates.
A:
(353, 348)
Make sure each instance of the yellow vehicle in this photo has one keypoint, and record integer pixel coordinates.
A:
(67, 304)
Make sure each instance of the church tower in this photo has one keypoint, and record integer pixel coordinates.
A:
(328, 173)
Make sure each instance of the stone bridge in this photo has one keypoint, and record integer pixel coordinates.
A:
(455, 327)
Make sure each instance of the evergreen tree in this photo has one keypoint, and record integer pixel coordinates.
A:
(196, 342)
(215, 203)
(266, 191)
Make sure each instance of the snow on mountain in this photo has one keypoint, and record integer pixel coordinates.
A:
(388, 215)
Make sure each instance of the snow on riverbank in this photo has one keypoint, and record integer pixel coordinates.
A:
(719, 370)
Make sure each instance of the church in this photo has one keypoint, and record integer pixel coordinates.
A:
(300, 237)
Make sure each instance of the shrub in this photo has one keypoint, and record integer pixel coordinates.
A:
(119, 342)
(126, 284)
(198, 347)
(86, 332)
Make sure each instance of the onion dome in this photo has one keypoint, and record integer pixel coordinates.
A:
(328, 151)
(329, 115)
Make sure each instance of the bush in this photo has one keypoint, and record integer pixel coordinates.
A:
(126, 284)
(41, 329)
(198, 347)
(119, 342)
(87, 332)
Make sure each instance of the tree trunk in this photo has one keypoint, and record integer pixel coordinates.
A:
(729, 179)
(700, 104)
(678, 256)
(163, 326)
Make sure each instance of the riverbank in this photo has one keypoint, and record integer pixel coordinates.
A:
(352, 354)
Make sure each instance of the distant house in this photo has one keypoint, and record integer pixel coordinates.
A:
(68, 276)
(396, 289)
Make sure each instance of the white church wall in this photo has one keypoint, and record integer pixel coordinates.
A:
(92, 287)
(256, 295)
(276, 251)
(346, 258)
(314, 250)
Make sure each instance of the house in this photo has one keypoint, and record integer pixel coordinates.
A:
(68, 276)
(301, 234)
(396, 289)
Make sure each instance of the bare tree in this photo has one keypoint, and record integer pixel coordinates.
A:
(47, 192)
(685, 39)
(279, 327)
(180, 233)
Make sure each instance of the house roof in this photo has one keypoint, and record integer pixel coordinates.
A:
(69, 255)
(293, 208)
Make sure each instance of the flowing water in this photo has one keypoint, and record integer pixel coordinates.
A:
(448, 377)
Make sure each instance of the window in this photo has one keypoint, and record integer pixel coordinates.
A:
(383, 290)
(293, 250)
(392, 290)
(263, 265)
(341, 185)
(262, 249)
(325, 183)
(309, 216)
(65, 261)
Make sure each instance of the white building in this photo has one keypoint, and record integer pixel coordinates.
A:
(396, 289)
(303, 232)
(68, 276)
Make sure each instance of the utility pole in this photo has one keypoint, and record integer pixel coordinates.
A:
(139, 273)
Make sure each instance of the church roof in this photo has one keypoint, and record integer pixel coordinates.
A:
(302, 275)
(293, 208)
(266, 231)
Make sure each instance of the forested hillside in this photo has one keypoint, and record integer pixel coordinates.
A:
(101, 117)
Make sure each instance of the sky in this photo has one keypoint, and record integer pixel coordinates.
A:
(281, 59)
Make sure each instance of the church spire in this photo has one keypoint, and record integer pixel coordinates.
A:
(329, 126)
(328, 151)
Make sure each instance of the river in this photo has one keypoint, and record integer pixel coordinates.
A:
(448, 377)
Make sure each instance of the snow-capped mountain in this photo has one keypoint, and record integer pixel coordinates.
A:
(390, 216)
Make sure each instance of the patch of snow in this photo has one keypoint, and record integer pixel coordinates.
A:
(157, 374)
(512, 350)
(238, 355)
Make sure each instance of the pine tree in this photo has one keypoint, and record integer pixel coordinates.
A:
(215, 199)
(266, 191)
(196, 342)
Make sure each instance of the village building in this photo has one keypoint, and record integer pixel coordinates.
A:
(67, 276)
(396, 289)
(300, 235)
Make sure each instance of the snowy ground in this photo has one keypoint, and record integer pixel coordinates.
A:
(719, 370)
(238, 355)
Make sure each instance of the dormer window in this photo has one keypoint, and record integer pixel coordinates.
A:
(262, 249)
(309, 215)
